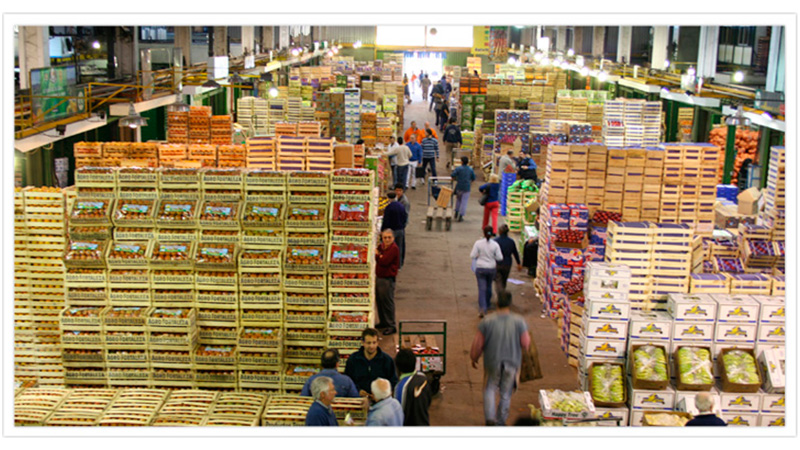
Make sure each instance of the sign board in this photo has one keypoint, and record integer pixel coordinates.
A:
(480, 40)
(49, 86)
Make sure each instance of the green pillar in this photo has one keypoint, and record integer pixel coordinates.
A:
(730, 155)
(763, 152)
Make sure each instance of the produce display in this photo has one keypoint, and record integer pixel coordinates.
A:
(746, 146)
(342, 316)
(177, 211)
(220, 212)
(665, 419)
(740, 367)
(90, 211)
(86, 251)
(350, 212)
(134, 212)
(262, 213)
(607, 383)
(349, 254)
(215, 254)
(606, 216)
(650, 363)
(694, 365)
(172, 251)
(303, 255)
(566, 401)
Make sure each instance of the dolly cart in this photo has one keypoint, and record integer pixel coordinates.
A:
(428, 340)
(442, 209)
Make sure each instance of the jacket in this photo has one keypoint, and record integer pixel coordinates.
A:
(401, 153)
(505, 161)
(344, 385)
(509, 249)
(487, 253)
(464, 176)
(414, 394)
(706, 420)
(416, 152)
(394, 216)
(385, 413)
(319, 415)
(419, 132)
(452, 134)
(364, 371)
(494, 191)
(388, 261)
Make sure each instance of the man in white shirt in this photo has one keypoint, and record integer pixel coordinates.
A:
(402, 156)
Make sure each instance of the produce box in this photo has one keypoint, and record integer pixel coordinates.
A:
(91, 211)
(665, 419)
(737, 308)
(740, 402)
(648, 367)
(172, 255)
(773, 366)
(693, 368)
(772, 420)
(262, 215)
(692, 307)
(306, 218)
(653, 326)
(128, 254)
(557, 404)
(736, 332)
(663, 399)
(607, 385)
(177, 213)
(219, 215)
(216, 256)
(739, 371)
(740, 420)
(308, 181)
(693, 331)
(273, 238)
(774, 403)
(607, 417)
(134, 213)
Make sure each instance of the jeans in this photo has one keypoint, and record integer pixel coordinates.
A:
(411, 180)
(384, 300)
(501, 278)
(394, 174)
(432, 162)
(402, 175)
(490, 209)
(462, 198)
(501, 380)
(485, 278)
(400, 240)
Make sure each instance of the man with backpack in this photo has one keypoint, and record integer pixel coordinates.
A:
(451, 138)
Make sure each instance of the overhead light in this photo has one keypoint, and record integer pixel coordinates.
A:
(96, 45)
(538, 56)
(358, 44)
(273, 92)
(666, 63)
(295, 52)
(565, 65)
(570, 52)
(738, 119)
(518, 63)
(545, 61)
(738, 76)
(61, 129)
(664, 90)
(236, 79)
(766, 115)
(339, 46)
(691, 71)
(511, 60)
(602, 76)
(329, 54)
(335, 50)
(210, 84)
(133, 120)
(178, 107)
(584, 71)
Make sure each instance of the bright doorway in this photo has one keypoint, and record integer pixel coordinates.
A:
(431, 63)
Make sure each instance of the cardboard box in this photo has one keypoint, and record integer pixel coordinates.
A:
(773, 308)
(603, 348)
(771, 332)
(773, 403)
(773, 369)
(692, 307)
(651, 326)
(684, 331)
(650, 399)
(605, 329)
(738, 308)
(772, 420)
(740, 402)
(736, 332)
(740, 420)
(549, 412)
(610, 416)
(748, 201)
(607, 310)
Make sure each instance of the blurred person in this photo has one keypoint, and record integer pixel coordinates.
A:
(425, 85)
(386, 266)
(386, 412)
(412, 130)
(452, 138)
(492, 206)
(485, 254)
(704, 403)
(395, 218)
(413, 390)
(413, 162)
(509, 249)
(402, 156)
(430, 152)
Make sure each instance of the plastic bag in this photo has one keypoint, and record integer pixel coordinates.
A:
(650, 363)
(572, 402)
(740, 367)
(694, 365)
(606, 383)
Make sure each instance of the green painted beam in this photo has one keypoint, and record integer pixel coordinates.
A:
(763, 151)
(730, 155)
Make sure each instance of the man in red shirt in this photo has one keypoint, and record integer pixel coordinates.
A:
(387, 264)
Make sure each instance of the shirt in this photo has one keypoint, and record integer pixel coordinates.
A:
(364, 371)
(320, 415)
(388, 261)
(407, 205)
(343, 384)
(505, 161)
(464, 176)
(509, 248)
(385, 413)
(501, 338)
(487, 252)
(398, 390)
(401, 153)
(394, 217)
(452, 134)
(494, 191)
(419, 132)
(430, 148)
(416, 152)
(415, 396)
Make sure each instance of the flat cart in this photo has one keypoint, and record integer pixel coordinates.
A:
(428, 340)
(441, 212)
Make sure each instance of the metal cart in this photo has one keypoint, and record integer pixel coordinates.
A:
(423, 336)
(437, 213)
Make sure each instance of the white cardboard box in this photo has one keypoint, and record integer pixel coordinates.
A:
(684, 401)
(649, 399)
(597, 294)
(597, 287)
(609, 413)
(740, 402)
(773, 403)
(652, 326)
(606, 270)
(773, 308)
(736, 308)
(771, 332)
(735, 331)
(607, 310)
(692, 307)
(772, 420)
(761, 346)
(693, 331)
(734, 419)
(637, 415)
(603, 348)
(773, 368)
(605, 329)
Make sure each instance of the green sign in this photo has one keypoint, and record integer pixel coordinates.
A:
(49, 86)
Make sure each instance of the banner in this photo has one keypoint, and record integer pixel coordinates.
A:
(480, 40)
(49, 86)
(498, 43)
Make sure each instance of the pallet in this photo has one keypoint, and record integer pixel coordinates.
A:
(439, 216)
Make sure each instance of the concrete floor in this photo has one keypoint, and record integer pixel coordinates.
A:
(436, 282)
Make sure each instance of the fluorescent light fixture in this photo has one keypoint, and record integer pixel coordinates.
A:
(273, 92)
(691, 71)
(665, 90)
(295, 52)
(738, 119)
(570, 52)
(357, 44)
(584, 71)
(518, 63)
(133, 120)
(538, 56)
(738, 76)
(602, 76)
(510, 60)
(96, 45)
(545, 61)
(335, 50)
(519, 27)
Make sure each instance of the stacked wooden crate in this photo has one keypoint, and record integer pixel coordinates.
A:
(774, 214)
(221, 130)
(231, 156)
(261, 152)
(200, 125)
(631, 244)
(319, 154)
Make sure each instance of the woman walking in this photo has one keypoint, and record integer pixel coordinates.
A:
(485, 254)
(492, 205)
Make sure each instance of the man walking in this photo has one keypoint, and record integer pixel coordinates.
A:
(430, 152)
(501, 338)
(320, 414)
(369, 363)
(386, 266)
(509, 249)
(425, 84)
(452, 139)
(414, 161)
(402, 156)
(395, 218)
(464, 176)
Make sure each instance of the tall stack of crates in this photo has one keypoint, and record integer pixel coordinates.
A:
(261, 152)
(352, 111)
(774, 214)
(631, 244)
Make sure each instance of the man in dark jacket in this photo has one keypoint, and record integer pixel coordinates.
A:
(395, 218)
(451, 138)
(526, 168)
(320, 413)
(509, 249)
(369, 363)
(704, 403)
(330, 361)
(412, 391)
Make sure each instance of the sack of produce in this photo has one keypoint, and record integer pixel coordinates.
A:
(693, 365)
(739, 371)
(560, 404)
(606, 384)
(650, 370)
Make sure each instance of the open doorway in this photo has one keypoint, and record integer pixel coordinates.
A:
(430, 63)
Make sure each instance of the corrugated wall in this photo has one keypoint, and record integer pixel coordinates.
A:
(456, 59)
(348, 34)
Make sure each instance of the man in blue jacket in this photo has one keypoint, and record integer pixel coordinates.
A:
(464, 176)
(704, 403)
(395, 218)
(344, 385)
(320, 414)
(369, 363)
(451, 138)
(386, 412)
(414, 161)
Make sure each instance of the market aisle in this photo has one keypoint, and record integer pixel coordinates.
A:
(436, 283)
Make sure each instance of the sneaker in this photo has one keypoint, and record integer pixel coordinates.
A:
(414, 188)
(461, 218)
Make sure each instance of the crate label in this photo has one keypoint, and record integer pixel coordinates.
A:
(133, 208)
(259, 331)
(352, 207)
(176, 208)
(90, 205)
(127, 248)
(304, 212)
(171, 312)
(172, 249)
(224, 211)
(84, 246)
(75, 310)
(214, 252)
(313, 253)
(345, 254)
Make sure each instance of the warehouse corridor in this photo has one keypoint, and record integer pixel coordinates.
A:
(436, 283)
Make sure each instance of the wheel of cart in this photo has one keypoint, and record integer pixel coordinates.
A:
(428, 340)
(442, 210)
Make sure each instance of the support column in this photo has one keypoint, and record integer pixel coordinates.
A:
(127, 50)
(658, 54)
(221, 41)
(267, 39)
(598, 41)
(34, 51)
(624, 44)
(248, 40)
(561, 39)
(707, 52)
(776, 64)
(183, 40)
(577, 40)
